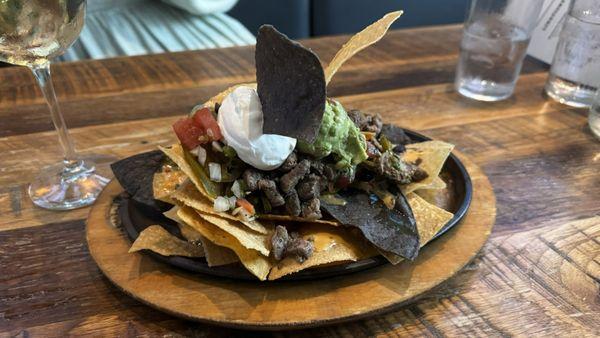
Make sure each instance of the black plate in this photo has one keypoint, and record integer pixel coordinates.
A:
(135, 217)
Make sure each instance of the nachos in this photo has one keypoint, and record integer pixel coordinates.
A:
(280, 177)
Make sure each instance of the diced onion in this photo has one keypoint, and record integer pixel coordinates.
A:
(214, 170)
(217, 147)
(200, 153)
(232, 201)
(236, 189)
(221, 204)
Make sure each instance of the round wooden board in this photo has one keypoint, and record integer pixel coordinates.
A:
(284, 305)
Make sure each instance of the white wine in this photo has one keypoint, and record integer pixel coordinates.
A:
(34, 31)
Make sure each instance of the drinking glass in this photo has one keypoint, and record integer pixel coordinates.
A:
(494, 43)
(575, 73)
(594, 116)
(32, 32)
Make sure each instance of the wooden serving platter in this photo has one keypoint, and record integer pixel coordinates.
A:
(290, 304)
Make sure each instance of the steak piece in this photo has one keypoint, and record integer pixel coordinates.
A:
(309, 188)
(279, 241)
(269, 188)
(312, 209)
(289, 180)
(289, 163)
(292, 203)
(290, 245)
(251, 178)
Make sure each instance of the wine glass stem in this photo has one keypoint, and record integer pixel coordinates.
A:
(44, 79)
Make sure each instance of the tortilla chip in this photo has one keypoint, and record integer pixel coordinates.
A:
(172, 214)
(430, 220)
(190, 196)
(291, 85)
(193, 170)
(331, 245)
(135, 174)
(248, 239)
(433, 155)
(159, 240)
(218, 99)
(217, 255)
(436, 184)
(164, 183)
(289, 218)
(256, 263)
(360, 41)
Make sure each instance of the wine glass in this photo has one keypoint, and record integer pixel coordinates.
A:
(32, 32)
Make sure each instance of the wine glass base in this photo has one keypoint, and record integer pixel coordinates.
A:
(64, 188)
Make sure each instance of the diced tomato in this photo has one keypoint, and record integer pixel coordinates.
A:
(199, 129)
(205, 119)
(242, 202)
(188, 132)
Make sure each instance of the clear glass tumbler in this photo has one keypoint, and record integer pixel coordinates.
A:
(594, 117)
(575, 73)
(495, 39)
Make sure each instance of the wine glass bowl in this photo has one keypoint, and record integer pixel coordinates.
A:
(32, 32)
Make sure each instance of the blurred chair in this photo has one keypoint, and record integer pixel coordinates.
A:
(135, 27)
(306, 18)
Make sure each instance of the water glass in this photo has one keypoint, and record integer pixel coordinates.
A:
(594, 117)
(495, 39)
(575, 73)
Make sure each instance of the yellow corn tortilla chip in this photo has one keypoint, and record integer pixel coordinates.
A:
(255, 262)
(360, 41)
(190, 196)
(249, 239)
(289, 218)
(430, 220)
(433, 155)
(192, 170)
(332, 245)
(159, 240)
(172, 214)
(217, 255)
(165, 183)
(436, 184)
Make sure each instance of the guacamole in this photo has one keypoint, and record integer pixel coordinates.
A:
(337, 135)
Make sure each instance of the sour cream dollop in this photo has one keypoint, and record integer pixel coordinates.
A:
(241, 122)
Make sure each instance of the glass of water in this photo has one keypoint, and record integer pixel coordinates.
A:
(575, 73)
(594, 117)
(495, 39)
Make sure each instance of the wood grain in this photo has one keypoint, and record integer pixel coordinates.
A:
(537, 276)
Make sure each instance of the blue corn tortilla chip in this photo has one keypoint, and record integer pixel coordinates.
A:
(290, 84)
(395, 134)
(135, 175)
(389, 230)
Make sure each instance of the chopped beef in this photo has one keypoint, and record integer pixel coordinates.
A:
(289, 163)
(289, 180)
(396, 169)
(290, 245)
(299, 247)
(366, 122)
(269, 188)
(309, 188)
(292, 203)
(279, 241)
(312, 209)
(317, 167)
(251, 178)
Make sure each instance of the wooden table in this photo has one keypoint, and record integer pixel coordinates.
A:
(538, 275)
